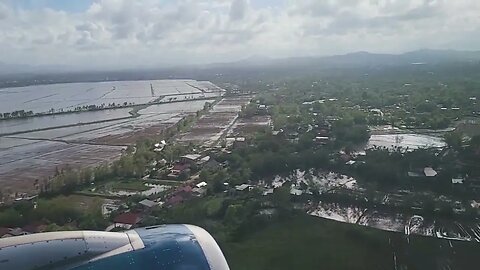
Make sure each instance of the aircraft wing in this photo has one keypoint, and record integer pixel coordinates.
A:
(167, 247)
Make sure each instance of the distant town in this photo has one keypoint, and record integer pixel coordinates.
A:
(239, 155)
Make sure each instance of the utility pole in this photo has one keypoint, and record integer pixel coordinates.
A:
(151, 89)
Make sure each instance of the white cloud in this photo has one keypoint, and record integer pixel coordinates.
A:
(238, 10)
(4, 12)
(120, 33)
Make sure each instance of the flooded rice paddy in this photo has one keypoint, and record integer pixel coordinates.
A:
(68, 96)
(51, 121)
(32, 148)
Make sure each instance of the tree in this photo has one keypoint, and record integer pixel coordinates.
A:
(235, 214)
(59, 210)
(453, 140)
(183, 176)
(93, 218)
(281, 199)
(11, 218)
(248, 111)
(205, 175)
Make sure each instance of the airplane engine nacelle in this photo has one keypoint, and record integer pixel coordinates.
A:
(158, 247)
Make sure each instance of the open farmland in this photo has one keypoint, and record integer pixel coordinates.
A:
(21, 166)
(68, 96)
(34, 148)
(248, 126)
(216, 123)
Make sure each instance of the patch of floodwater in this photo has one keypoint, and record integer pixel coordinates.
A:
(173, 120)
(50, 121)
(321, 181)
(70, 133)
(114, 129)
(397, 222)
(181, 97)
(153, 189)
(67, 96)
(226, 108)
(27, 150)
(360, 216)
(451, 235)
(417, 225)
(183, 107)
(338, 213)
(405, 141)
(122, 127)
(386, 222)
(151, 119)
(6, 143)
(153, 115)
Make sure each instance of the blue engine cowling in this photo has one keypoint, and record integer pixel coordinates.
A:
(167, 247)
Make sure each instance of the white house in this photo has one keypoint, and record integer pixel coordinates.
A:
(429, 172)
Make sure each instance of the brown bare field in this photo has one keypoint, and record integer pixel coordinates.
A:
(216, 123)
(245, 127)
(131, 137)
(21, 168)
(34, 155)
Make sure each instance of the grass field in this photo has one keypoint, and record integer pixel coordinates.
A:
(79, 202)
(129, 185)
(313, 243)
(310, 243)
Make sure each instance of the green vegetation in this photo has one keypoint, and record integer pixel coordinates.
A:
(290, 239)
(408, 97)
(59, 213)
(270, 155)
(319, 125)
(57, 208)
(305, 242)
(129, 185)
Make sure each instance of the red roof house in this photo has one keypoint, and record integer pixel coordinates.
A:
(127, 220)
(175, 200)
(4, 232)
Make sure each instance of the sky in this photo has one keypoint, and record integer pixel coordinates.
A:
(134, 33)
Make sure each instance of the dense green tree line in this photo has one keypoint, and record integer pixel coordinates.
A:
(59, 211)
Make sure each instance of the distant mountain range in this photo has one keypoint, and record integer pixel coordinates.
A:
(11, 68)
(8, 69)
(360, 59)
(252, 68)
(357, 59)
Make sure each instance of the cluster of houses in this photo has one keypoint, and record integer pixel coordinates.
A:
(131, 219)
(29, 229)
(322, 130)
(184, 166)
(427, 172)
(190, 188)
(180, 171)
(192, 163)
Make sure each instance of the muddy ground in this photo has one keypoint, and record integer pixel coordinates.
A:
(24, 165)
(35, 156)
(211, 127)
(245, 127)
